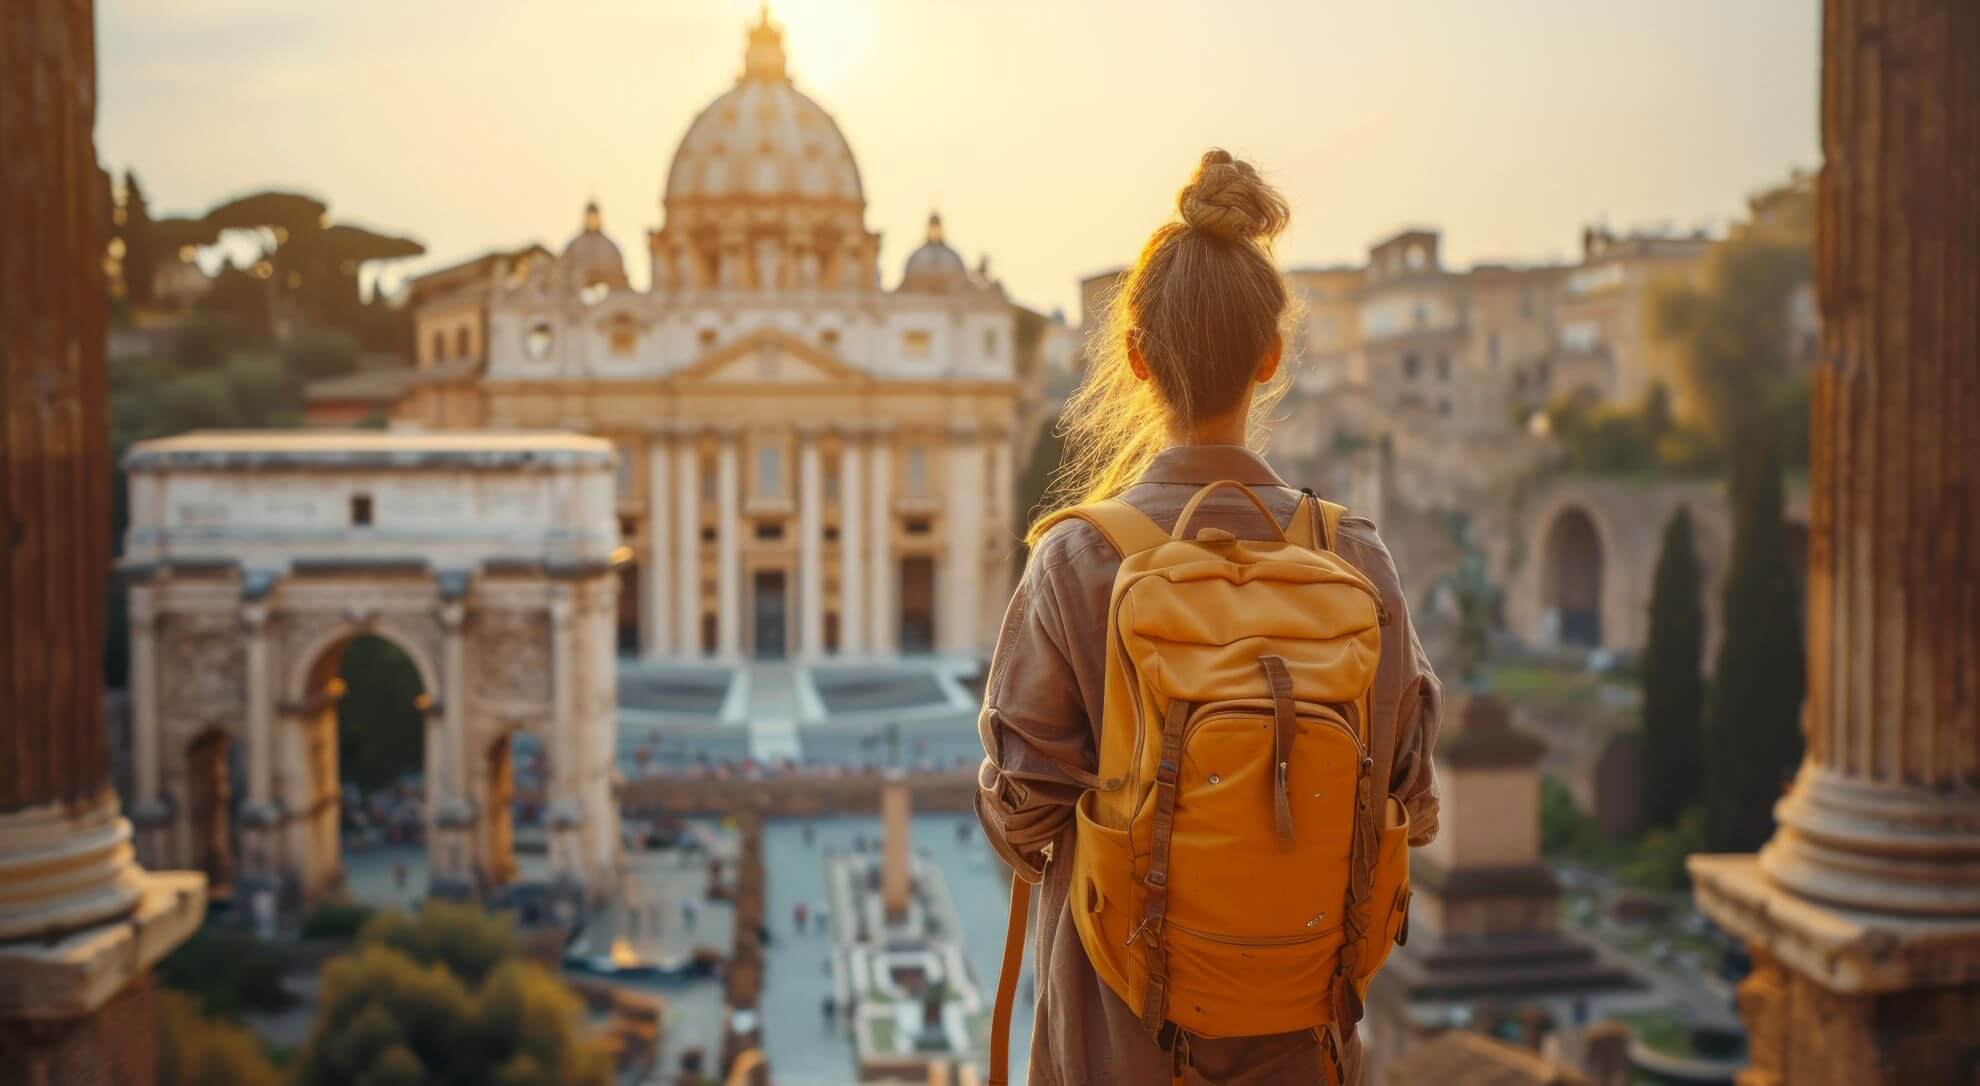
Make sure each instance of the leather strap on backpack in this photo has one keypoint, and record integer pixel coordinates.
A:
(1007, 978)
(1155, 907)
(1285, 728)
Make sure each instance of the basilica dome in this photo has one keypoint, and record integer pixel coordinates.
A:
(934, 267)
(763, 138)
(592, 259)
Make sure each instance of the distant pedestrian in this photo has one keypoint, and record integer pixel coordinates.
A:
(800, 915)
(687, 913)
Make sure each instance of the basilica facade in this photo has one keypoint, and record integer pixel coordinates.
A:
(810, 464)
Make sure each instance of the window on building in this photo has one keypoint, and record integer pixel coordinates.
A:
(708, 632)
(1443, 367)
(916, 526)
(463, 343)
(707, 338)
(623, 336)
(628, 528)
(537, 341)
(770, 471)
(708, 533)
(769, 530)
(360, 510)
(710, 484)
(915, 343)
(1411, 365)
(829, 339)
(439, 346)
(831, 533)
(917, 471)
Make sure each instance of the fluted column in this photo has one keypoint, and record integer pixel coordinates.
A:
(80, 923)
(852, 550)
(728, 546)
(656, 620)
(1863, 911)
(448, 789)
(958, 611)
(880, 592)
(811, 546)
(687, 536)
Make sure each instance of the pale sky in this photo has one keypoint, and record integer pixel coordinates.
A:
(1050, 133)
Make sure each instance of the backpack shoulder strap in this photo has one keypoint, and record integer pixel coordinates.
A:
(1315, 522)
(1127, 529)
(1000, 1011)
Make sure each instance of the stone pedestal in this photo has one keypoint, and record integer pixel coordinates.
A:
(1863, 911)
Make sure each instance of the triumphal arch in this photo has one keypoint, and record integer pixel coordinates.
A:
(253, 560)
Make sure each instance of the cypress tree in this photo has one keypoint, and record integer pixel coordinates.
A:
(1673, 688)
(1753, 711)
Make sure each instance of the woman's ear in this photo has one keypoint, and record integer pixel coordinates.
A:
(1135, 362)
(1268, 366)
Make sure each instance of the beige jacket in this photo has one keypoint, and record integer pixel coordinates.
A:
(1041, 708)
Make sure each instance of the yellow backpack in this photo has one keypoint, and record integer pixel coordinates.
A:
(1234, 874)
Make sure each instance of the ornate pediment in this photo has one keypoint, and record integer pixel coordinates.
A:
(769, 356)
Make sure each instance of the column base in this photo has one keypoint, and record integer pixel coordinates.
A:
(1880, 848)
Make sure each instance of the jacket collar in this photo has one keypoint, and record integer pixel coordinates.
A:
(1196, 465)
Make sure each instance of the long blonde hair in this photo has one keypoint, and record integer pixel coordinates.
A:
(1202, 305)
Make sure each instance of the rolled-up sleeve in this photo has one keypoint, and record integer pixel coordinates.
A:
(1419, 713)
(1037, 742)
(1405, 683)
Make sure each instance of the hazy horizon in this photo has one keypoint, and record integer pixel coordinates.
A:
(1052, 137)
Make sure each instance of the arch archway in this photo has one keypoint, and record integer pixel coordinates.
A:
(1572, 565)
(360, 689)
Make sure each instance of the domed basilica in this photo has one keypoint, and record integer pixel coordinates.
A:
(811, 465)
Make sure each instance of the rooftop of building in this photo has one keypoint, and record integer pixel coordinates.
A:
(367, 450)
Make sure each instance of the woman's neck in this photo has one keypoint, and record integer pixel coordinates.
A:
(1224, 430)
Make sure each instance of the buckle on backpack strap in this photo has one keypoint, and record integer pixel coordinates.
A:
(1167, 772)
(1157, 878)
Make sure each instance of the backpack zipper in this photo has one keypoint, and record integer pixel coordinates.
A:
(1230, 706)
(1251, 940)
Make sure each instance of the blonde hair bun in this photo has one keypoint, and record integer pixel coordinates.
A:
(1227, 199)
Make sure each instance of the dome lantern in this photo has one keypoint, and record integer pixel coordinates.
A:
(764, 58)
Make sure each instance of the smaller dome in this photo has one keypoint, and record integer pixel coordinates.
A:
(592, 259)
(934, 267)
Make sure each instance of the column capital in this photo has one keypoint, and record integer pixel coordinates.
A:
(255, 617)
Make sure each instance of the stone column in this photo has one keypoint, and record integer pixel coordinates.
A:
(852, 550)
(728, 547)
(880, 549)
(656, 619)
(564, 818)
(811, 546)
(260, 821)
(451, 853)
(1863, 912)
(962, 527)
(687, 537)
(80, 923)
(151, 816)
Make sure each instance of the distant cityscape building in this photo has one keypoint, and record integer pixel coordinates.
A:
(811, 465)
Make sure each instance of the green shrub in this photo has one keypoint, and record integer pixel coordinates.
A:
(197, 1051)
(336, 920)
(463, 939)
(229, 975)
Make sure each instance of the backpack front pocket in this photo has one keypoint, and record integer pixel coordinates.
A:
(1230, 874)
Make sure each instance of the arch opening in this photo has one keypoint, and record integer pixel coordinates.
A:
(212, 775)
(1573, 572)
(355, 760)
